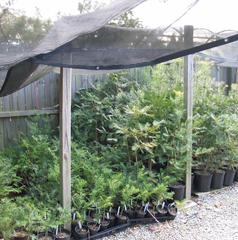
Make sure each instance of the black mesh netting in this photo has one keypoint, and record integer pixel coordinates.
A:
(87, 42)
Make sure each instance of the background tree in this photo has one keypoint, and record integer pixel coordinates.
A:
(18, 29)
(125, 20)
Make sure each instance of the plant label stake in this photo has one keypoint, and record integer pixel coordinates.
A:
(118, 210)
(108, 216)
(57, 230)
(146, 207)
(80, 225)
(125, 207)
(74, 216)
(152, 215)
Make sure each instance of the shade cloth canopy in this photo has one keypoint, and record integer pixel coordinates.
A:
(87, 42)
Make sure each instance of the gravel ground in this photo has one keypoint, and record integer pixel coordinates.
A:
(215, 216)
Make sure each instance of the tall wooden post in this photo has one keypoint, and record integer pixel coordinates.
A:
(228, 80)
(188, 103)
(65, 136)
(1, 128)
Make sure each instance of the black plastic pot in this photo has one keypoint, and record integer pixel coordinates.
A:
(229, 177)
(44, 238)
(80, 233)
(121, 219)
(20, 235)
(130, 213)
(104, 224)
(93, 228)
(44, 235)
(218, 179)
(74, 223)
(112, 220)
(140, 213)
(192, 182)
(62, 236)
(236, 176)
(179, 191)
(172, 209)
(203, 181)
(161, 210)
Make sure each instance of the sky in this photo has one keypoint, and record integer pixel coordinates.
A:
(215, 15)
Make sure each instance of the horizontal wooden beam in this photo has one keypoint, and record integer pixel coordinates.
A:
(26, 113)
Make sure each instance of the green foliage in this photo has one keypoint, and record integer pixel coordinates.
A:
(20, 29)
(215, 131)
(129, 145)
(35, 162)
(7, 212)
(8, 179)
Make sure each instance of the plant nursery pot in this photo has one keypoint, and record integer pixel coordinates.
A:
(122, 219)
(44, 235)
(73, 226)
(140, 213)
(152, 211)
(62, 236)
(172, 209)
(179, 191)
(161, 210)
(104, 225)
(45, 238)
(229, 177)
(130, 213)
(192, 182)
(218, 179)
(80, 233)
(203, 181)
(21, 235)
(236, 176)
(112, 221)
(93, 228)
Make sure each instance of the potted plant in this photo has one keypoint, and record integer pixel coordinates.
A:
(60, 217)
(7, 222)
(218, 173)
(162, 210)
(129, 193)
(205, 161)
(110, 216)
(176, 171)
(80, 231)
(121, 216)
(78, 228)
(172, 208)
(175, 150)
(230, 170)
(105, 223)
(94, 226)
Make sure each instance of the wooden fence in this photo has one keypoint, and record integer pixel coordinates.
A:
(39, 98)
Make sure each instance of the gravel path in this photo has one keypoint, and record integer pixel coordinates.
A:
(215, 217)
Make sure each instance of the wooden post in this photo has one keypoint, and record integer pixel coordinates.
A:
(65, 136)
(188, 103)
(228, 80)
(1, 128)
